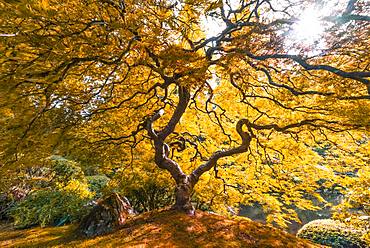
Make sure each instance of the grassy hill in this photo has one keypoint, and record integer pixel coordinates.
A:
(161, 229)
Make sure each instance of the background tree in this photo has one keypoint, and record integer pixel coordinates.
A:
(234, 116)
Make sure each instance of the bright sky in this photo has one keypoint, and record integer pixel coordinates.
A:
(306, 32)
(213, 26)
(309, 29)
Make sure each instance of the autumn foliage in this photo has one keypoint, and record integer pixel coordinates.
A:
(234, 118)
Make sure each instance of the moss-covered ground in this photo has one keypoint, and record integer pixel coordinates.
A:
(160, 229)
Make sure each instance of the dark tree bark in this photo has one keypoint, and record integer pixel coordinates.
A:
(108, 215)
(183, 196)
(185, 183)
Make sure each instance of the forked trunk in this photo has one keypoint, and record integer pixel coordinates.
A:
(183, 197)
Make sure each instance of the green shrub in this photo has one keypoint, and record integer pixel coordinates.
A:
(49, 207)
(333, 233)
(64, 171)
(97, 184)
(149, 196)
(62, 201)
(145, 187)
(5, 205)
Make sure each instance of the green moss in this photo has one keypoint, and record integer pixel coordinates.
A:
(162, 229)
(333, 233)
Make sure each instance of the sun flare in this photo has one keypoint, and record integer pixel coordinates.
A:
(309, 28)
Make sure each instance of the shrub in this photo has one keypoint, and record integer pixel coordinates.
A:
(5, 205)
(64, 200)
(49, 207)
(97, 184)
(64, 171)
(145, 187)
(149, 196)
(355, 208)
(333, 233)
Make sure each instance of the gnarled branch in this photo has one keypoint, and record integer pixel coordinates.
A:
(246, 139)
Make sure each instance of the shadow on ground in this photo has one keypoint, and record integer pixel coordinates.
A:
(161, 229)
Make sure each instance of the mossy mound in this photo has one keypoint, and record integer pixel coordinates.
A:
(163, 229)
(333, 233)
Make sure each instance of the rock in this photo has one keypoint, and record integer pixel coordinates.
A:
(108, 215)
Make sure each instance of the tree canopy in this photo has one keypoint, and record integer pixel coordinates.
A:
(246, 115)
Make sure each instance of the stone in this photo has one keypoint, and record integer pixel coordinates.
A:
(107, 216)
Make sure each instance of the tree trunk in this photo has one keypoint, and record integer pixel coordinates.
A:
(109, 214)
(183, 197)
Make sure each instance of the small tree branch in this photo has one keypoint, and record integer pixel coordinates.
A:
(347, 18)
(246, 139)
(360, 76)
